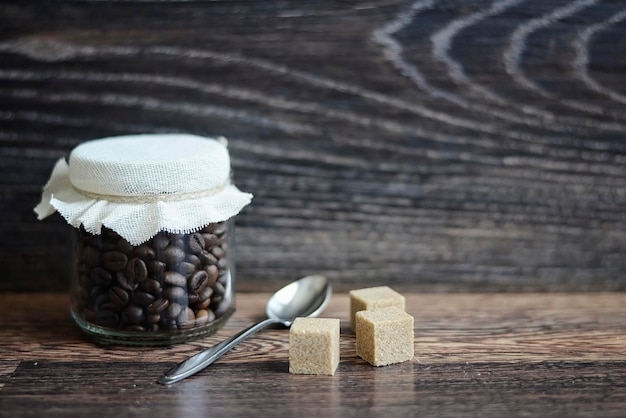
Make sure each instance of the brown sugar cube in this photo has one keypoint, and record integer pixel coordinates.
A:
(384, 336)
(314, 346)
(373, 298)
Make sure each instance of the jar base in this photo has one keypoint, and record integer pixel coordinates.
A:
(158, 338)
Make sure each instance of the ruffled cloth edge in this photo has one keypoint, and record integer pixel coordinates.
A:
(137, 223)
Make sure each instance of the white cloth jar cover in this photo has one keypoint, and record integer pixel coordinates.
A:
(139, 185)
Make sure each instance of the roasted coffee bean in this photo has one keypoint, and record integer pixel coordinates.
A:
(105, 318)
(222, 264)
(108, 306)
(90, 256)
(198, 281)
(196, 242)
(144, 251)
(192, 259)
(114, 260)
(218, 289)
(175, 293)
(142, 298)
(158, 306)
(175, 279)
(204, 316)
(172, 255)
(204, 298)
(161, 241)
(133, 314)
(193, 299)
(186, 269)
(220, 229)
(155, 269)
(210, 240)
(136, 270)
(124, 282)
(152, 318)
(207, 257)
(212, 272)
(125, 246)
(99, 302)
(173, 311)
(218, 252)
(177, 240)
(186, 319)
(151, 286)
(100, 276)
(118, 297)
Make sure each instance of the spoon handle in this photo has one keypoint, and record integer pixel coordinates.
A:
(207, 357)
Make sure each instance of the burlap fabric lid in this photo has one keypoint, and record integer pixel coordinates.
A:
(141, 184)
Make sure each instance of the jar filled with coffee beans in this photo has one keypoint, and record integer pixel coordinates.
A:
(153, 217)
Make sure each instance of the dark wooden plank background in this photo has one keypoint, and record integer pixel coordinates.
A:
(433, 145)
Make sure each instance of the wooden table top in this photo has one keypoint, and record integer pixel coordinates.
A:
(476, 354)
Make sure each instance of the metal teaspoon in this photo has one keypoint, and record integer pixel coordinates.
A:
(306, 297)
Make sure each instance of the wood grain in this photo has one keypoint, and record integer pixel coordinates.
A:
(431, 145)
(476, 354)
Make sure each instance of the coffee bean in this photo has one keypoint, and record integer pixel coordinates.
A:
(125, 283)
(158, 306)
(133, 314)
(204, 316)
(114, 260)
(152, 318)
(186, 318)
(192, 259)
(145, 252)
(198, 281)
(222, 264)
(193, 299)
(136, 270)
(207, 258)
(212, 272)
(100, 301)
(186, 269)
(218, 252)
(175, 279)
(175, 293)
(105, 318)
(151, 286)
(142, 298)
(196, 242)
(173, 310)
(210, 240)
(125, 246)
(204, 298)
(161, 241)
(172, 255)
(101, 276)
(155, 269)
(118, 297)
(90, 256)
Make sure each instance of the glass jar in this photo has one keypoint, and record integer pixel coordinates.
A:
(170, 289)
(135, 281)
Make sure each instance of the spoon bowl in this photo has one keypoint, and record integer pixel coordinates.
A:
(306, 297)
